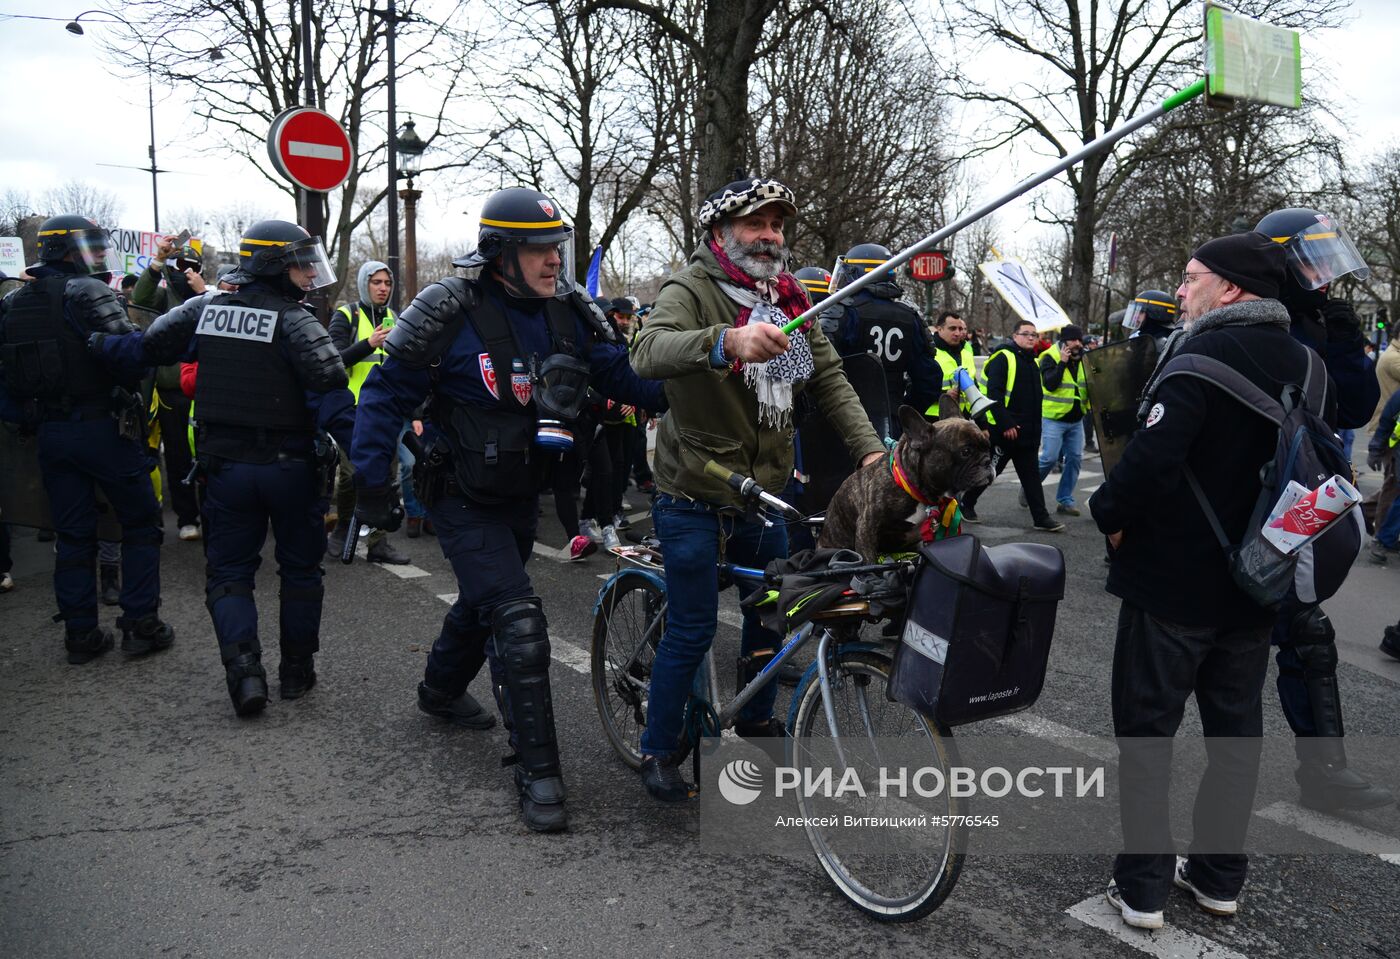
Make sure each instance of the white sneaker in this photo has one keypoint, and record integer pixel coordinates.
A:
(1133, 917)
(589, 528)
(610, 538)
(189, 533)
(1216, 907)
(7, 583)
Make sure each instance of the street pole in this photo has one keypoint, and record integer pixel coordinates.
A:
(390, 148)
(410, 241)
(313, 213)
(151, 149)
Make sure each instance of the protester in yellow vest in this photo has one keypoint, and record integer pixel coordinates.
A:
(1063, 406)
(951, 350)
(358, 330)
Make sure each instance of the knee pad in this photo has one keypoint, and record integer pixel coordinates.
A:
(303, 594)
(522, 634)
(151, 535)
(1314, 641)
(213, 596)
(81, 552)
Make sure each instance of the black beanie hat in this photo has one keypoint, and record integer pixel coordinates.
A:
(1251, 261)
(1070, 332)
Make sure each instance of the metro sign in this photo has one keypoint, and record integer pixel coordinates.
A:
(310, 148)
(929, 267)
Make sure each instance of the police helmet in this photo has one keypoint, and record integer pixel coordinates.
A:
(1150, 306)
(858, 261)
(816, 281)
(516, 217)
(270, 248)
(60, 236)
(1319, 250)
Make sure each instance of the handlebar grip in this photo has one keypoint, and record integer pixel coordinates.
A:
(352, 537)
(729, 476)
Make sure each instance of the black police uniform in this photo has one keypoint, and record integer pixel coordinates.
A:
(269, 378)
(471, 348)
(91, 433)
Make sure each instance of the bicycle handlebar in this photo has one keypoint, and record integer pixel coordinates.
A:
(748, 488)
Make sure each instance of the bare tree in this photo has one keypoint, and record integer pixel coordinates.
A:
(261, 72)
(101, 206)
(1377, 228)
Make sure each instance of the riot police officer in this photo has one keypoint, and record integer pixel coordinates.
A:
(1152, 313)
(91, 433)
(816, 281)
(506, 359)
(269, 378)
(875, 322)
(1319, 253)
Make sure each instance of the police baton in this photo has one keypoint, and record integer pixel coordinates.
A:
(352, 535)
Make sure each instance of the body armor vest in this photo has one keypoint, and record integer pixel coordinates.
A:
(244, 378)
(888, 331)
(493, 452)
(44, 358)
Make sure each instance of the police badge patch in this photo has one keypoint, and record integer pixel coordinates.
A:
(1155, 416)
(488, 374)
(520, 383)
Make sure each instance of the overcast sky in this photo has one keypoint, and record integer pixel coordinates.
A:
(63, 111)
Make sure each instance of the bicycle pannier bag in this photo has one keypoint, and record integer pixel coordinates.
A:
(977, 629)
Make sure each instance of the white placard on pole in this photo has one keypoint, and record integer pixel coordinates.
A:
(1013, 280)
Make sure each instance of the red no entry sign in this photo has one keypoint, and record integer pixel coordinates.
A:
(929, 267)
(309, 148)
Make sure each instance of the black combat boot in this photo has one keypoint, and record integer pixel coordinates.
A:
(541, 802)
(145, 635)
(297, 674)
(1326, 784)
(110, 584)
(247, 683)
(462, 710)
(85, 645)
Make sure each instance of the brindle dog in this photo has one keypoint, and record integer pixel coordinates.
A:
(874, 515)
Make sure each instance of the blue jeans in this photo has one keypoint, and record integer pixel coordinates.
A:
(1056, 435)
(1388, 529)
(690, 534)
(411, 506)
(1348, 438)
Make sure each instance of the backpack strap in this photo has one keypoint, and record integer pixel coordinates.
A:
(1232, 382)
(1206, 508)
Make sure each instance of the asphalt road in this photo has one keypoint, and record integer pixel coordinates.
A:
(140, 817)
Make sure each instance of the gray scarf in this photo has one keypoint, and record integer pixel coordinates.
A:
(1248, 313)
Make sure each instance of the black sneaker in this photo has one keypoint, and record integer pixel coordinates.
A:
(145, 635)
(296, 675)
(664, 781)
(542, 803)
(86, 645)
(1067, 509)
(769, 736)
(969, 515)
(110, 584)
(1390, 642)
(463, 711)
(384, 552)
(1048, 525)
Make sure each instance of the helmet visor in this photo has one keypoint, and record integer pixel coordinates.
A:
(308, 266)
(538, 270)
(1323, 253)
(1134, 316)
(90, 251)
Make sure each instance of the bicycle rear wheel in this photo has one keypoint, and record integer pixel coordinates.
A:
(625, 633)
(891, 876)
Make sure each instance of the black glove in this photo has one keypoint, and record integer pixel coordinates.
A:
(1375, 460)
(1341, 320)
(94, 343)
(379, 508)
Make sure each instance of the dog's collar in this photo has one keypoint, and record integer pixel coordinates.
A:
(901, 479)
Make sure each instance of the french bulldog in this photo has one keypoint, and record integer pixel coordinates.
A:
(873, 514)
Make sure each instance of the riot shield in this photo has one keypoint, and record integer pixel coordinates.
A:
(824, 458)
(1116, 374)
(23, 500)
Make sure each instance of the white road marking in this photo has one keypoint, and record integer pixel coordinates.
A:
(448, 598)
(1332, 830)
(1167, 943)
(567, 654)
(406, 572)
(316, 151)
(559, 555)
(1043, 728)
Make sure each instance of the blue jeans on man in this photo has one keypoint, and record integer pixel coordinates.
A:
(1058, 436)
(690, 534)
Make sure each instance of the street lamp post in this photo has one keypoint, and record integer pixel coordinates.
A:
(76, 28)
(409, 147)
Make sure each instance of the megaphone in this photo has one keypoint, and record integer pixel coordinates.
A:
(980, 404)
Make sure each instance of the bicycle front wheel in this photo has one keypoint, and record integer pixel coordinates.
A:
(626, 630)
(893, 876)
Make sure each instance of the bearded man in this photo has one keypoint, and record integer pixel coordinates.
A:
(731, 375)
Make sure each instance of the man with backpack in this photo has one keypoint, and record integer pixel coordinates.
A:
(1185, 626)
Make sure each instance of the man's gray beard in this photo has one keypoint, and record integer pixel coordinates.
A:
(742, 254)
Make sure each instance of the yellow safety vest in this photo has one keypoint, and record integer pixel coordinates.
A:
(1010, 379)
(1056, 404)
(1395, 434)
(363, 329)
(950, 367)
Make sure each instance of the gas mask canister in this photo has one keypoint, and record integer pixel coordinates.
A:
(561, 389)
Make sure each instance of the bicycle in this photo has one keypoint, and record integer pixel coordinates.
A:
(839, 707)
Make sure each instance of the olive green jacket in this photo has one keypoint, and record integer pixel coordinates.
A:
(713, 413)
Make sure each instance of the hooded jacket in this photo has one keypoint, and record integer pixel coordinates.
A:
(713, 414)
(344, 333)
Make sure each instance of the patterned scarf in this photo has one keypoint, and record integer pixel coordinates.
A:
(775, 301)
